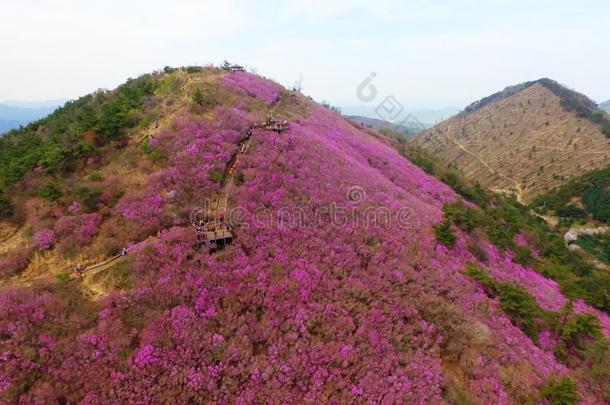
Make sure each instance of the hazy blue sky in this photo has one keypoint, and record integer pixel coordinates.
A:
(428, 54)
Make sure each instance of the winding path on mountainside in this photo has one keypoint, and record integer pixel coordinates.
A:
(220, 207)
(222, 198)
(225, 189)
(524, 145)
(518, 185)
(101, 266)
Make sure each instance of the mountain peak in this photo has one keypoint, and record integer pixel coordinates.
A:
(203, 235)
(524, 139)
(571, 98)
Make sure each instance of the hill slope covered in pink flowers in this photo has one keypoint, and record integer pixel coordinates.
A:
(337, 288)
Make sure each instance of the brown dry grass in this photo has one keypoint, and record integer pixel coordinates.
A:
(128, 168)
(11, 236)
(528, 137)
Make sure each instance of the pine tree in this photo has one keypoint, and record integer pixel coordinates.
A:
(198, 97)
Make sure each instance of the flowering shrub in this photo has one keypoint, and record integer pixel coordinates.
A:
(27, 312)
(79, 229)
(15, 261)
(520, 240)
(196, 149)
(44, 239)
(262, 89)
(299, 312)
(147, 211)
(74, 207)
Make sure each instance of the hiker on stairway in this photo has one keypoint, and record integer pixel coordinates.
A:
(124, 252)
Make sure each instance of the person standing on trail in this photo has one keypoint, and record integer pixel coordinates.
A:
(80, 271)
(124, 252)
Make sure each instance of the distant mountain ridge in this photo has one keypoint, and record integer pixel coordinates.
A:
(378, 124)
(7, 125)
(570, 98)
(605, 106)
(16, 113)
(428, 117)
(35, 104)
